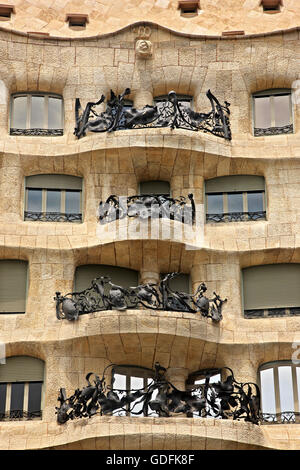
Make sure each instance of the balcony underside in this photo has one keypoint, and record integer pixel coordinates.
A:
(118, 433)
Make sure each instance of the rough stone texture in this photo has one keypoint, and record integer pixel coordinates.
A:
(115, 164)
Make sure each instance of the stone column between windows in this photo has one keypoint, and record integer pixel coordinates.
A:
(147, 276)
(177, 376)
(142, 98)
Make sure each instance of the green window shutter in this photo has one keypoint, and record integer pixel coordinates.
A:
(271, 286)
(180, 283)
(54, 182)
(120, 276)
(154, 187)
(22, 369)
(13, 286)
(238, 183)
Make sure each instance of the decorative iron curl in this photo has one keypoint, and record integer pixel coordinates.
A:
(105, 295)
(227, 399)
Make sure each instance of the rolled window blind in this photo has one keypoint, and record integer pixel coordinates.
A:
(154, 187)
(227, 184)
(13, 286)
(120, 276)
(22, 369)
(271, 286)
(54, 182)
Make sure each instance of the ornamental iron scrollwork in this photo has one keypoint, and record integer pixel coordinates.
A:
(285, 417)
(52, 217)
(16, 415)
(37, 132)
(236, 216)
(262, 132)
(105, 295)
(225, 399)
(167, 113)
(148, 206)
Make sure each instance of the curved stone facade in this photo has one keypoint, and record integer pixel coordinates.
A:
(115, 163)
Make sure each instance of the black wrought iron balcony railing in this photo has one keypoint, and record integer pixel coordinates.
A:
(170, 113)
(262, 132)
(226, 399)
(37, 132)
(284, 417)
(236, 216)
(105, 295)
(19, 415)
(272, 312)
(150, 206)
(51, 217)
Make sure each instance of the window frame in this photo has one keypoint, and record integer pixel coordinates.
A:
(275, 365)
(44, 129)
(26, 264)
(24, 412)
(273, 129)
(228, 215)
(44, 211)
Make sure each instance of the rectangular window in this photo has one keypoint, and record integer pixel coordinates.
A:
(17, 400)
(273, 113)
(72, 202)
(214, 204)
(34, 398)
(235, 202)
(53, 201)
(255, 201)
(3, 390)
(34, 200)
(13, 286)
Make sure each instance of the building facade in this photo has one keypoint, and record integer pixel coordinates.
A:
(137, 142)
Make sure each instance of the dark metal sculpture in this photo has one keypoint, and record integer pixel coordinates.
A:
(168, 113)
(262, 132)
(52, 217)
(105, 295)
(147, 206)
(227, 399)
(236, 216)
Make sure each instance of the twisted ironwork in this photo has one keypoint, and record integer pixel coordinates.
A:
(37, 132)
(261, 132)
(52, 216)
(168, 113)
(236, 216)
(284, 417)
(272, 312)
(227, 399)
(104, 295)
(16, 415)
(147, 206)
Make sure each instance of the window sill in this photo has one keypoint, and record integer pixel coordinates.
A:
(37, 132)
(236, 217)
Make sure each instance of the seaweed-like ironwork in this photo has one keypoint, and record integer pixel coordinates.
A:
(236, 216)
(105, 295)
(168, 113)
(226, 399)
(147, 206)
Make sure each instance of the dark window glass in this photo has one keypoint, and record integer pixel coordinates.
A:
(235, 202)
(2, 399)
(17, 399)
(34, 200)
(53, 201)
(34, 397)
(73, 202)
(255, 202)
(215, 204)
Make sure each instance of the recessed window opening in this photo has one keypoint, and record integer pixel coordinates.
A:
(188, 8)
(6, 11)
(77, 20)
(271, 6)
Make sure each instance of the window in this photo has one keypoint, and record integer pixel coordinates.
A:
(235, 198)
(21, 388)
(131, 378)
(271, 6)
(6, 11)
(53, 198)
(154, 188)
(36, 114)
(280, 391)
(13, 286)
(180, 283)
(272, 112)
(120, 276)
(202, 381)
(77, 20)
(271, 290)
(188, 8)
